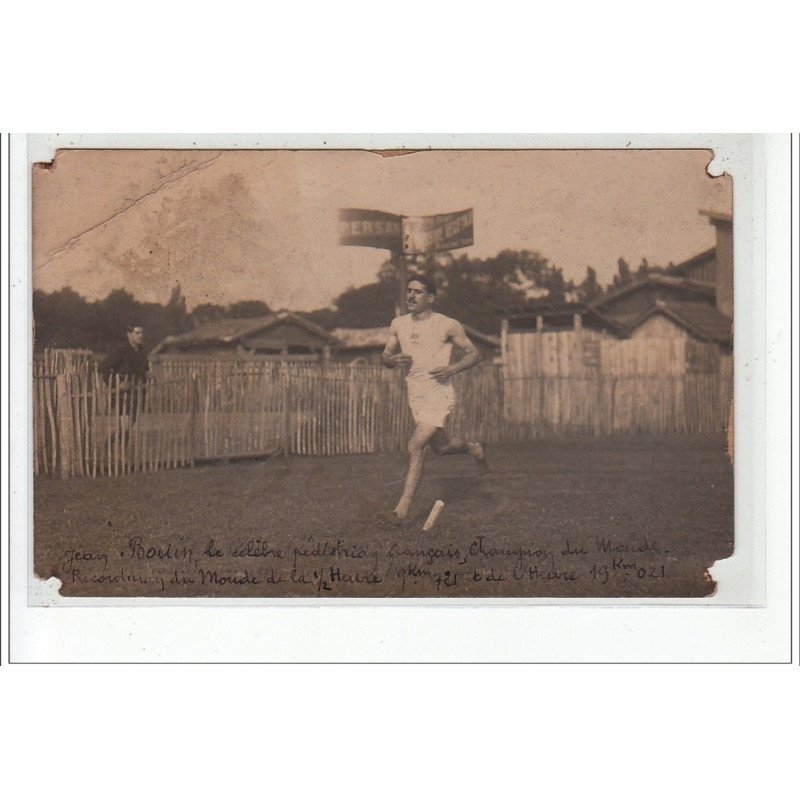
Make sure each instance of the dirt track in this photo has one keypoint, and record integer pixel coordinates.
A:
(633, 516)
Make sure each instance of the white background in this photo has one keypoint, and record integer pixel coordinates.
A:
(615, 731)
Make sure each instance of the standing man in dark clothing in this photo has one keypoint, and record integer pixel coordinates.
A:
(129, 361)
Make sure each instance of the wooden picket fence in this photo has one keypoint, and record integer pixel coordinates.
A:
(585, 382)
(190, 412)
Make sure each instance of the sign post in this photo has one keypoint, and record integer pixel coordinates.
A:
(402, 277)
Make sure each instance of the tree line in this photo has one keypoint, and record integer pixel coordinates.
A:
(470, 289)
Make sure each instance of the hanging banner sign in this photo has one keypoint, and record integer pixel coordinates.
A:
(364, 228)
(412, 235)
(440, 232)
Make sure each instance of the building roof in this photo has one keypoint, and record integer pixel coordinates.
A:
(361, 338)
(701, 320)
(373, 338)
(549, 310)
(666, 281)
(230, 331)
(687, 265)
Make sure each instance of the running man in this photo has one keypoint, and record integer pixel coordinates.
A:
(425, 341)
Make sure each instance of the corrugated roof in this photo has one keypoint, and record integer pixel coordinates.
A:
(701, 320)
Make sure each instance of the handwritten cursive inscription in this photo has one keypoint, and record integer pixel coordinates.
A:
(339, 567)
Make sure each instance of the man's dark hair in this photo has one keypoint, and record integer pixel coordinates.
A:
(132, 325)
(427, 282)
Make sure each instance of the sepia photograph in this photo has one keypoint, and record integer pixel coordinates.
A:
(382, 374)
(456, 408)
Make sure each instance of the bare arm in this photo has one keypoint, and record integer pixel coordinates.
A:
(470, 358)
(391, 357)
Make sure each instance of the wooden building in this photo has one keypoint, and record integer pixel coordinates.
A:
(365, 345)
(695, 298)
(723, 260)
(290, 337)
(701, 268)
(655, 354)
(683, 320)
(359, 345)
(626, 305)
(283, 336)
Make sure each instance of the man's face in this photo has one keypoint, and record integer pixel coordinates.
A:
(417, 297)
(136, 337)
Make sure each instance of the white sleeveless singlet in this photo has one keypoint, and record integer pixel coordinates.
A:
(426, 341)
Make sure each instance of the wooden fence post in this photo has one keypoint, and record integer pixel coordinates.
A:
(287, 421)
(65, 423)
(193, 407)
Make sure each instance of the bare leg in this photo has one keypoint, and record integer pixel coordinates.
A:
(445, 445)
(416, 455)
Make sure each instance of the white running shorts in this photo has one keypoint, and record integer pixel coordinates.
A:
(432, 406)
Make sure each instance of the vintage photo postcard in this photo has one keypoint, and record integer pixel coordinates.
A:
(334, 373)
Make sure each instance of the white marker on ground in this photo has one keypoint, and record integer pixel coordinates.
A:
(433, 516)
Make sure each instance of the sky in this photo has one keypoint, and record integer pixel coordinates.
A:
(262, 225)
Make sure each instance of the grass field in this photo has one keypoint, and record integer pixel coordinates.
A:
(618, 516)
